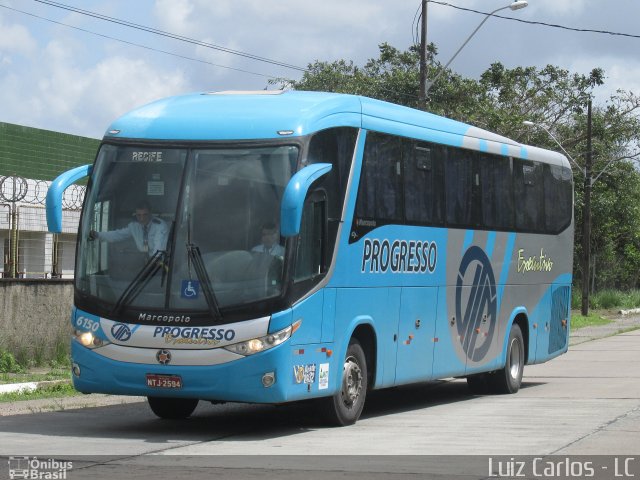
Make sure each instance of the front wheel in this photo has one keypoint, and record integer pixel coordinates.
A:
(509, 379)
(345, 407)
(172, 408)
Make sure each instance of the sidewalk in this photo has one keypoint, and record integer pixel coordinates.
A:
(619, 323)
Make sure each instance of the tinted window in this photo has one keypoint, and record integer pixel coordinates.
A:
(424, 182)
(379, 193)
(529, 195)
(461, 183)
(558, 198)
(405, 180)
(496, 182)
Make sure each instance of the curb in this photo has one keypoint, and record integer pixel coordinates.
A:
(28, 386)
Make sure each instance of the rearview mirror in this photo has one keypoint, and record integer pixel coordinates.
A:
(55, 192)
(294, 195)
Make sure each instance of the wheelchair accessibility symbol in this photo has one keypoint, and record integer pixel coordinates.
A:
(190, 289)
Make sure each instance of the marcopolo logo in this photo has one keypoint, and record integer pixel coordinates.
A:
(476, 303)
(121, 332)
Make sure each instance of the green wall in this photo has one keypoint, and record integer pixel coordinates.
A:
(42, 154)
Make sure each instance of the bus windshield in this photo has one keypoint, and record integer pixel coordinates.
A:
(191, 230)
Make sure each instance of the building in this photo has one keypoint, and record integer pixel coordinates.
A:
(29, 159)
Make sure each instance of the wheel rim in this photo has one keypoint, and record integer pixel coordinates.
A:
(515, 359)
(351, 382)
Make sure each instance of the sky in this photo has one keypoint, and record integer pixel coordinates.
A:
(67, 79)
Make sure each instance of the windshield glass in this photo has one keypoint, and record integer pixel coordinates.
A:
(187, 230)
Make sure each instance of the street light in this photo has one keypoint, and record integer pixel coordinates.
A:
(516, 5)
(539, 125)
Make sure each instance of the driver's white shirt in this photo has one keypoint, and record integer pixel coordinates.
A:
(276, 249)
(157, 233)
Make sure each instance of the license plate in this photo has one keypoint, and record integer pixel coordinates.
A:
(163, 381)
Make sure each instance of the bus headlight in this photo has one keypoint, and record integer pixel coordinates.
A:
(257, 345)
(88, 339)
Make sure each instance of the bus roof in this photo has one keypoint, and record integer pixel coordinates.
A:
(211, 116)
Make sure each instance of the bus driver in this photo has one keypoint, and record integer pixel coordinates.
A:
(270, 236)
(148, 232)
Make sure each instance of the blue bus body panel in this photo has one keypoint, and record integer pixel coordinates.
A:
(297, 364)
(239, 381)
(237, 117)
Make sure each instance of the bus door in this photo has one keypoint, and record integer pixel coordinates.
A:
(416, 330)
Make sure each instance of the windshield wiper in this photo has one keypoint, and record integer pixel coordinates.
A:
(195, 258)
(146, 273)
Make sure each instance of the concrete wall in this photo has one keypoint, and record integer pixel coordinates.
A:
(34, 318)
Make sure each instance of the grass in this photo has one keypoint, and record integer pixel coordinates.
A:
(56, 373)
(591, 320)
(602, 302)
(608, 299)
(58, 390)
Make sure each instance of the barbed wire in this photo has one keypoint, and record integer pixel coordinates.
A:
(16, 189)
(74, 197)
(13, 189)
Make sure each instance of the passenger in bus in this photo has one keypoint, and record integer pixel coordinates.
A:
(148, 231)
(270, 237)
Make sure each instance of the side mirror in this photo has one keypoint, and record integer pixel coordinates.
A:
(55, 192)
(294, 195)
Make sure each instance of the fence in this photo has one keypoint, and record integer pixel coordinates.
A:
(27, 248)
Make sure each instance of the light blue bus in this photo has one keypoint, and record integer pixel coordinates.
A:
(290, 246)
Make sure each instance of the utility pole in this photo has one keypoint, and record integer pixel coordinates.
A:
(586, 219)
(423, 57)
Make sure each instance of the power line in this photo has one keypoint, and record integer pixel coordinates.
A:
(173, 36)
(530, 22)
(166, 52)
(136, 44)
(417, 18)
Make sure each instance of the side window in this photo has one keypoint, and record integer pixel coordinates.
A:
(334, 146)
(496, 181)
(462, 181)
(96, 252)
(529, 196)
(558, 198)
(380, 190)
(424, 182)
(310, 254)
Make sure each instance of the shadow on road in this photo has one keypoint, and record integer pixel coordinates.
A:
(240, 422)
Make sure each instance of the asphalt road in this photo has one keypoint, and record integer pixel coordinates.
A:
(584, 403)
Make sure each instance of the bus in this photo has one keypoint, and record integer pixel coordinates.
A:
(409, 247)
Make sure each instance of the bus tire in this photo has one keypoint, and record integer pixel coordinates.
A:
(172, 408)
(345, 407)
(509, 378)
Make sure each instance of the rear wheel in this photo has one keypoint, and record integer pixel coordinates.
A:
(345, 407)
(172, 408)
(509, 379)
